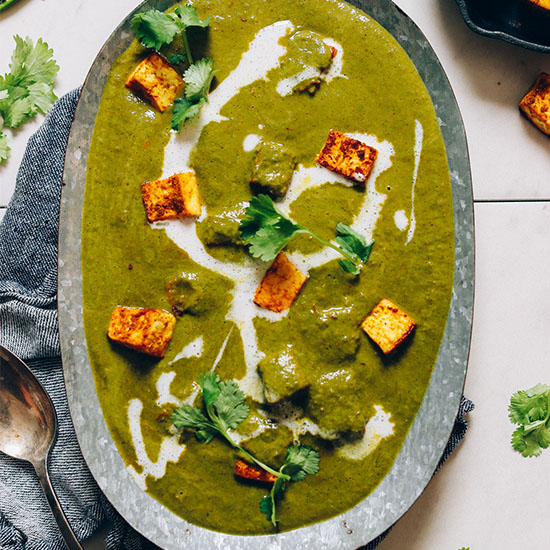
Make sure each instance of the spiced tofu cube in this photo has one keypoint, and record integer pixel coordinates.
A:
(255, 473)
(536, 104)
(282, 376)
(280, 286)
(388, 325)
(544, 4)
(173, 197)
(157, 80)
(347, 156)
(145, 330)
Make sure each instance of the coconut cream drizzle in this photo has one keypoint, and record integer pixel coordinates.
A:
(418, 141)
(170, 448)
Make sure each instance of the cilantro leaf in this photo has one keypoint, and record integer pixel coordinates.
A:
(198, 78)
(191, 417)
(529, 405)
(28, 88)
(300, 461)
(266, 507)
(187, 17)
(210, 385)
(4, 147)
(177, 58)
(531, 410)
(154, 28)
(268, 503)
(32, 63)
(230, 405)
(355, 244)
(267, 231)
(184, 109)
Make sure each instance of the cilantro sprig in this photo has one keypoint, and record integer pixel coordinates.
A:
(530, 409)
(267, 231)
(225, 409)
(300, 461)
(156, 29)
(27, 89)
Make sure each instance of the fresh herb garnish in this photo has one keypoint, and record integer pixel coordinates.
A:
(300, 461)
(4, 147)
(225, 410)
(155, 29)
(198, 78)
(28, 88)
(267, 232)
(531, 410)
(177, 58)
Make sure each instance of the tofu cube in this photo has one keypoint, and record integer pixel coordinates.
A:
(544, 4)
(282, 376)
(157, 80)
(255, 473)
(145, 330)
(173, 197)
(536, 104)
(388, 325)
(347, 156)
(280, 285)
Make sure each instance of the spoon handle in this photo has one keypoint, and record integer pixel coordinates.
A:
(41, 467)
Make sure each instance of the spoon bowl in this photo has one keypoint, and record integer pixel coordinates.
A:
(28, 428)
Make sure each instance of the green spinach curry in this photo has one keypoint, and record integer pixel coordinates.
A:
(344, 381)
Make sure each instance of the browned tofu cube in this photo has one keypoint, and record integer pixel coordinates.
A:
(350, 157)
(536, 104)
(146, 330)
(173, 197)
(388, 325)
(280, 286)
(157, 80)
(544, 4)
(255, 473)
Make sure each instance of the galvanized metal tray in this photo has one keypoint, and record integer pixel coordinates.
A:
(430, 431)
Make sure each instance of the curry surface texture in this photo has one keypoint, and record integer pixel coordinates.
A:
(128, 262)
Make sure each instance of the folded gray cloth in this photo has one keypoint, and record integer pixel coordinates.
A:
(28, 326)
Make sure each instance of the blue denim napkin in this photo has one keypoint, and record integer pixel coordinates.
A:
(28, 327)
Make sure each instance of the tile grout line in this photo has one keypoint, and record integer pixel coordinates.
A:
(489, 201)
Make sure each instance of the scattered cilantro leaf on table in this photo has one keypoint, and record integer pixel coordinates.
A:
(267, 231)
(225, 409)
(4, 147)
(155, 29)
(27, 89)
(530, 409)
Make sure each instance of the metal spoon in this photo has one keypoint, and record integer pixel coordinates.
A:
(28, 428)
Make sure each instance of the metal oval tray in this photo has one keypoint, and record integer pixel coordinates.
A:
(511, 20)
(430, 431)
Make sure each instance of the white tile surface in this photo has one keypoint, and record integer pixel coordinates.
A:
(488, 496)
